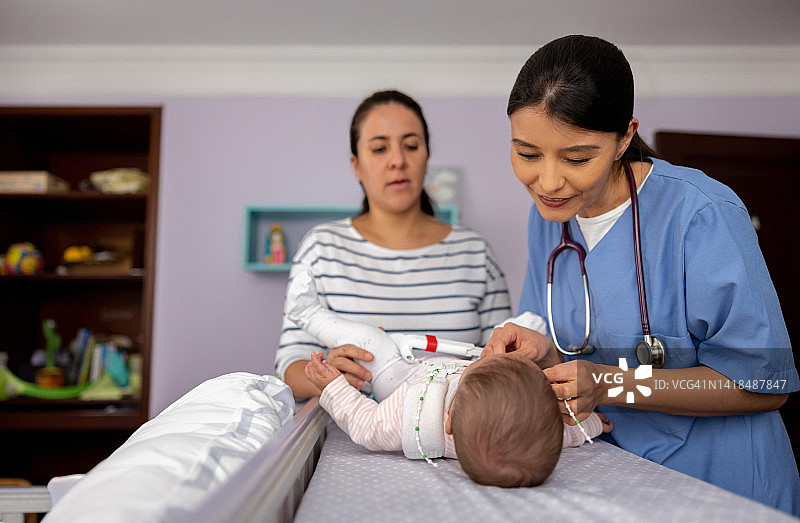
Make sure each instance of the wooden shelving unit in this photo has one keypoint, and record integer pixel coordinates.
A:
(51, 437)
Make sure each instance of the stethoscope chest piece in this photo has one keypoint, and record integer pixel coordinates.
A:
(586, 349)
(650, 353)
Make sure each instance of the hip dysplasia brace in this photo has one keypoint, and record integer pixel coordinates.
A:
(392, 353)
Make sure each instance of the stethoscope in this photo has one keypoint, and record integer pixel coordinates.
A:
(650, 350)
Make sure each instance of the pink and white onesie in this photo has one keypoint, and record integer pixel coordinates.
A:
(390, 425)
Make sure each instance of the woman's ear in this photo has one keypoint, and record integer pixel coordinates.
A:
(448, 425)
(355, 165)
(625, 141)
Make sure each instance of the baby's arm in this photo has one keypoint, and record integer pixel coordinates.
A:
(373, 425)
(594, 425)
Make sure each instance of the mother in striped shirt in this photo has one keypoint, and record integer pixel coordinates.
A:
(395, 265)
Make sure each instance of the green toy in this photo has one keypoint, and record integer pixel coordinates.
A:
(50, 376)
(103, 389)
(53, 342)
(111, 385)
(12, 386)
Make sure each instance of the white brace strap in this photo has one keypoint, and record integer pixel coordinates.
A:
(424, 406)
(427, 423)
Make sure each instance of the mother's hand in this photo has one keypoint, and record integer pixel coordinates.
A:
(528, 343)
(343, 358)
(574, 379)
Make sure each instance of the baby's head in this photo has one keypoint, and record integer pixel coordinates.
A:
(506, 423)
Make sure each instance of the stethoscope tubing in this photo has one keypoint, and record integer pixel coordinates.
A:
(637, 252)
(578, 350)
(568, 243)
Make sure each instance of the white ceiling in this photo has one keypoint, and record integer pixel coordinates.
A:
(406, 22)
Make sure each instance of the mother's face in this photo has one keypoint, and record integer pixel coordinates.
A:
(392, 157)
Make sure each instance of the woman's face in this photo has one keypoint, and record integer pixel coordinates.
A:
(567, 170)
(392, 157)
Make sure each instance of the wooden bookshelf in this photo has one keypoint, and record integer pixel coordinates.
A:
(71, 143)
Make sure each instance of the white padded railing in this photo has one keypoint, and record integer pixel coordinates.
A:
(269, 487)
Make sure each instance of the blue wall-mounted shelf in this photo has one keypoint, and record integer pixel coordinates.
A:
(296, 220)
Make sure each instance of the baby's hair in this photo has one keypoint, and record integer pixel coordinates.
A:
(506, 423)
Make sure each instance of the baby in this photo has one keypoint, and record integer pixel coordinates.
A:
(498, 415)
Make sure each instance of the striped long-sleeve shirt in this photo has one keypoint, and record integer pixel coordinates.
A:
(453, 289)
(378, 426)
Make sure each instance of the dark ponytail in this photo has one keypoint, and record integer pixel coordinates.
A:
(585, 82)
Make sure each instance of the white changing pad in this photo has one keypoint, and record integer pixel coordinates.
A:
(598, 482)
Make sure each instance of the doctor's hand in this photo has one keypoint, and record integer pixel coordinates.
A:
(573, 379)
(528, 343)
(343, 358)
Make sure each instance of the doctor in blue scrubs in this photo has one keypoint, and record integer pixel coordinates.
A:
(711, 411)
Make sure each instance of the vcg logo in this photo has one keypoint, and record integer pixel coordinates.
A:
(642, 372)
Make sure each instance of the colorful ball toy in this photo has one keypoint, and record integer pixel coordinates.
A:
(21, 258)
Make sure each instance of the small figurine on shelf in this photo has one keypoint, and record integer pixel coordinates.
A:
(276, 246)
(50, 376)
(21, 258)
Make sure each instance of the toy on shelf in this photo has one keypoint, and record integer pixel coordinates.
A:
(78, 254)
(276, 246)
(21, 258)
(110, 256)
(104, 388)
(114, 380)
(12, 386)
(50, 376)
(122, 180)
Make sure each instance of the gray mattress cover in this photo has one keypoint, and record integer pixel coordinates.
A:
(598, 482)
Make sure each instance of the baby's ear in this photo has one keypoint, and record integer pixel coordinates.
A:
(448, 425)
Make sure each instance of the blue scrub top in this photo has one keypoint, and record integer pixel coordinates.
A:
(711, 302)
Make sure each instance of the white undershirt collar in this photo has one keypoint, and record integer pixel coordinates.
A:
(594, 228)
